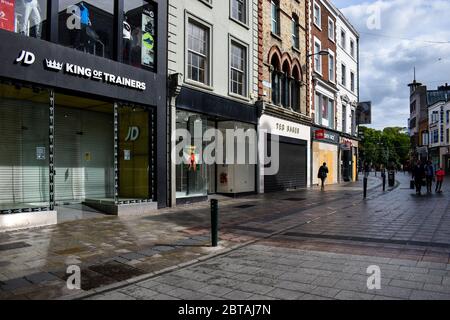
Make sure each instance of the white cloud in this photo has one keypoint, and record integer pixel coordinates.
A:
(388, 57)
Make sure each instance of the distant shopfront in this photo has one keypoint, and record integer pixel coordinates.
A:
(78, 127)
(349, 159)
(325, 148)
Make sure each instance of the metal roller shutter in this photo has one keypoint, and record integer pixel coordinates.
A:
(292, 169)
(23, 177)
(83, 155)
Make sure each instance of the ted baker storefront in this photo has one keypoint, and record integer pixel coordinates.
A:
(82, 111)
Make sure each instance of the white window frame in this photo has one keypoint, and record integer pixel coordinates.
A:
(246, 64)
(331, 57)
(343, 75)
(208, 74)
(354, 81)
(316, 55)
(319, 24)
(352, 51)
(333, 38)
(343, 39)
(245, 4)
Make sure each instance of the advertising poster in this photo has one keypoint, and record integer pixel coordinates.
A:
(148, 37)
(7, 19)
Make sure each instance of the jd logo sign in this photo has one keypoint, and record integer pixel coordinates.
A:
(133, 134)
(26, 58)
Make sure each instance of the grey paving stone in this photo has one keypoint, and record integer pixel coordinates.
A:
(191, 284)
(396, 292)
(313, 297)
(13, 284)
(215, 290)
(351, 285)
(164, 297)
(139, 293)
(296, 286)
(260, 297)
(406, 284)
(325, 292)
(353, 295)
(284, 294)
(428, 295)
(185, 294)
(41, 277)
(116, 295)
(298, 277)
(237, 295)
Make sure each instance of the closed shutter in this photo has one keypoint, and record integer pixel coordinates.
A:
(84, 156)
(23, 177)
(292, 168)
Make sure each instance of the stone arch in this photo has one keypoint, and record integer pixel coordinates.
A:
(274, 57)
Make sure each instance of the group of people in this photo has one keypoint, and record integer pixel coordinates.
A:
(424, 174)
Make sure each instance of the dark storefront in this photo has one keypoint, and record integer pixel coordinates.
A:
(83, 107)
(200, 111)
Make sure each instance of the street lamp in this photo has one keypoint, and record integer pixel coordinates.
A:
(320, 53)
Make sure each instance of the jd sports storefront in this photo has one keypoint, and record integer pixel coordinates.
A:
(78, 129)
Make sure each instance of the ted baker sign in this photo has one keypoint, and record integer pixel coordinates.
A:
(81, 71)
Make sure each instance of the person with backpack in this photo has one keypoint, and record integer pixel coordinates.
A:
(429, 175)
(322, 175)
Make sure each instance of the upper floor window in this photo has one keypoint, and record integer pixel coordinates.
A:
(238, 69)
(275, 17)
(295, 32)
(87, 26)
(239, 10)
(28, 17)
(352, 48)
(317, 15)
(343, 39)
(198, 52)
(139, 33)
(352, 81)
(331, 30)
(343, 75)
(331, 70)
(317, 58)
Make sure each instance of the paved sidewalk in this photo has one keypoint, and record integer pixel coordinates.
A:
(110, 249)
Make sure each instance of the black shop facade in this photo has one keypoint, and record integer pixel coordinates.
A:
(82, 118)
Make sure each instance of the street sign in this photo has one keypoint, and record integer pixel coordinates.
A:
(364, 113)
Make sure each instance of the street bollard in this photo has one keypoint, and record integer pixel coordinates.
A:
(365, 187)
(384, 182)
(214, 222)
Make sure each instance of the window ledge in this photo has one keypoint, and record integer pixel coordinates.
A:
(276, 36)
(295, 49)
(242, 24)
(196, 84)
(238, 96)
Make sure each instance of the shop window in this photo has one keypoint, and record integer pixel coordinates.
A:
(191, 172)
(87, 26)
(134, 155)
(139, 33)
(27, 17)
(24, 148)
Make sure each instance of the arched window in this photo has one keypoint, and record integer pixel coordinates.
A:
(285, 85)
(295, 89)
(276, 79)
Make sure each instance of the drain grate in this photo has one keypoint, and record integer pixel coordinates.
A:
(14, 245)
(295, 199)
(245, 206)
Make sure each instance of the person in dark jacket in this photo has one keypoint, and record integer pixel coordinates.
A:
(418, 174)
(429, 175)
(322, 175)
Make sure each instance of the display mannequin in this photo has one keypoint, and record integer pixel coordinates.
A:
(127, 38)
(31, 10)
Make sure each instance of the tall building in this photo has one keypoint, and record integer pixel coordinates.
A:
(82, 109)
(347, 78)
(213, 71)
(284, 112)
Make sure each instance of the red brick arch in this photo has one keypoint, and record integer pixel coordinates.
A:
(297, 69)
(275, 55)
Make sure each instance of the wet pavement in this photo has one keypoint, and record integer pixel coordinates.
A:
(112, 252)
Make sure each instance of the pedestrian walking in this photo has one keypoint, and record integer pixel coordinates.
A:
(322, 175)
(418, 174)
(429, 175)
(440, 173)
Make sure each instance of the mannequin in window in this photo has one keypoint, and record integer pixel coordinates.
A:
(127, 38)
(31, 11)
(82, 41)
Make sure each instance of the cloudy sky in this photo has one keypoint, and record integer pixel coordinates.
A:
(397, 35)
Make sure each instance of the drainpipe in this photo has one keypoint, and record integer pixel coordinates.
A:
(174, 83)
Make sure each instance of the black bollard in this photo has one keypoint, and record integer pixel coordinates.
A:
(365, 187)
(384, 182)
(214, 222)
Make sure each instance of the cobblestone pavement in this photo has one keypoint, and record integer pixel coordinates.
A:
(301, 244)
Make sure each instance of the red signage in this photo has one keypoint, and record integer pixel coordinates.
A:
(7, 19)
(320, 134)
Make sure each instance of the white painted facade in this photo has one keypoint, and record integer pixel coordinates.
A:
(348, 95)
(215, 15)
